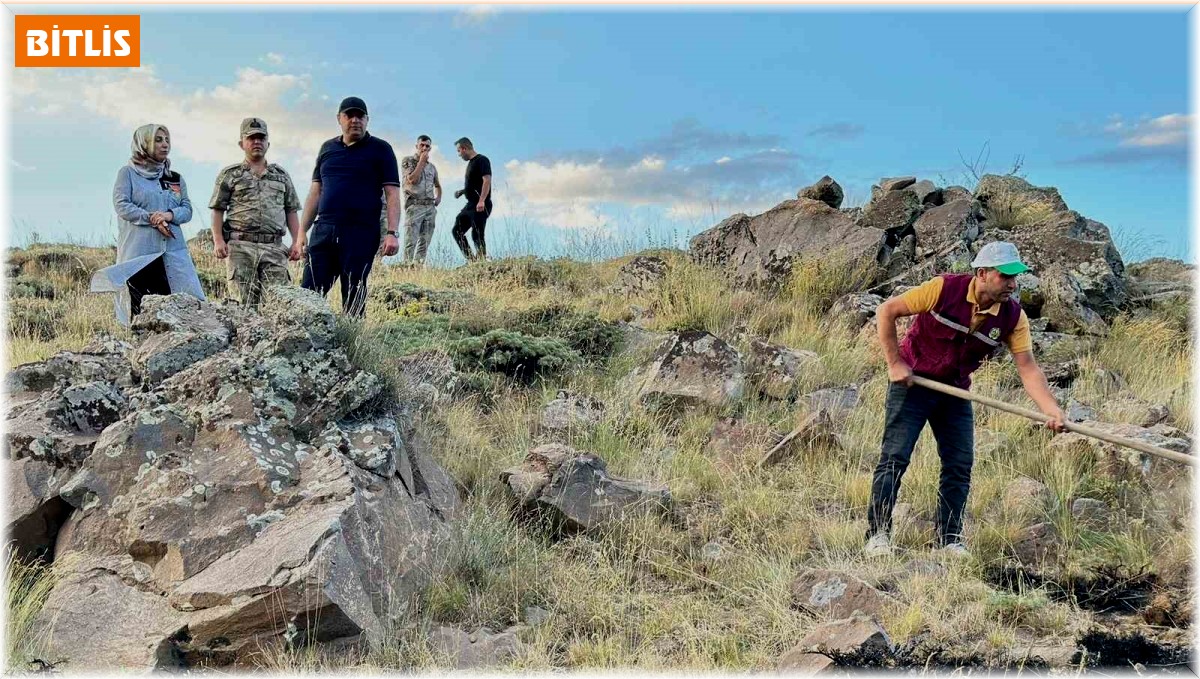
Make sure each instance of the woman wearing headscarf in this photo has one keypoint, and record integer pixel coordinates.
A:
(151, 202)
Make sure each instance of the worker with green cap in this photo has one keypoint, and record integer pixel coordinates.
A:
(961, 320)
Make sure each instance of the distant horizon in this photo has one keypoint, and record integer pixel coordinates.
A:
(628, 129)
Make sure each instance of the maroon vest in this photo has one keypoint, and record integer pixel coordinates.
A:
(940, 344)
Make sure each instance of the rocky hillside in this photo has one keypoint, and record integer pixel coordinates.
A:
(530, 464)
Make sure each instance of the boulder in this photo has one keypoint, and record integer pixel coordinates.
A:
(857, 308)
(1064, 304)
(248, 499)
(570, 412)
(736, 444)
(925, 191)
(1121, 463)
(955, 192)
(176, 331)
(639, 276)
(836, 593)
(1091, 512)
(1036, 546)
(575, 491)
(774, 368)
(837, 401)
(1026, 497)
(859, 638)
(944, 226)
(689, 370)
(1078, 412)
(474, 650)
(894, 211)
(1161, 270)
(887, 184)
(825, 190)
(761, 250)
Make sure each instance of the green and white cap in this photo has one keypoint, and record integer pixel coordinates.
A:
(1000, 256)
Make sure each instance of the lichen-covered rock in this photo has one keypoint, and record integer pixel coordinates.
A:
(690, 369)
(1121, 463)
(575, 491)
(571, 412)
(893, 211)
(857, 308)
(480, 649)
(775, 368)
(946, 225)
(267, 492)
(839, 594)
(1064, 305)
(639, 276)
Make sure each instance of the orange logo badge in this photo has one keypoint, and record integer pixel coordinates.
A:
(109, 40)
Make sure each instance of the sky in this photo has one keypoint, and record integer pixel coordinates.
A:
(611, 129)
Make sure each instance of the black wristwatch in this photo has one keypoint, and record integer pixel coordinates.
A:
(392, 233)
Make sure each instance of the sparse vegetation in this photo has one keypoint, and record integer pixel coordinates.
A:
(644, 593)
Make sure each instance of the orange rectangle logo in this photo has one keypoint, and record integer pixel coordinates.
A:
(107, 40)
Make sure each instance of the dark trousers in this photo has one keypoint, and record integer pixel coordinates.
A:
(344, 254)
(953, 423)
(151, 280)
(475, 222)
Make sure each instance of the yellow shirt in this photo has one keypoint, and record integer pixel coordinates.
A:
(925, 296)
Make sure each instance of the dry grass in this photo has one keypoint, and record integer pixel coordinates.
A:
(643, 594)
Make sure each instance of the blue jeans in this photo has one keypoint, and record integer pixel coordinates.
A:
(953, 423)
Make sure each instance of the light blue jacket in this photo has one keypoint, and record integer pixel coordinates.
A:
(135, 197)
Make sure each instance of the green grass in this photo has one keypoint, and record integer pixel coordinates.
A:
(643, 594)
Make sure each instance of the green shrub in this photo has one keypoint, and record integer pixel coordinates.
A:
(28, 286)
(407, 336)
(584, 332)
(520, 356)
(410, 299)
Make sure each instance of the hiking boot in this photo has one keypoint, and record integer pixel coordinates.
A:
(879, 544)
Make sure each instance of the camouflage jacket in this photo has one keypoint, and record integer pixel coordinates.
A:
(255, 204)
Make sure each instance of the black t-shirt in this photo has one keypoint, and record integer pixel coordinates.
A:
(352, 178)
(478, 168)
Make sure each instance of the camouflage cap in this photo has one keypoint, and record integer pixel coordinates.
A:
(253, 126)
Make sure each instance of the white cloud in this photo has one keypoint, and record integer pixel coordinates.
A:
(1168, 130)
(273, 58)
(21, 167)
(474, 17)
(203, 122)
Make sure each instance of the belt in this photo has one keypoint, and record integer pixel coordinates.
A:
(256, 237)
(419, 201)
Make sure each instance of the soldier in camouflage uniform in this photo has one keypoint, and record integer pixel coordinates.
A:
(252, 204)
(422, 193)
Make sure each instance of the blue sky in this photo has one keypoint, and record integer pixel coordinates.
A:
(609, 127)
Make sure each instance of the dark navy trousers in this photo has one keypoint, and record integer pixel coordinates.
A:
(952, 420)
(342, 253)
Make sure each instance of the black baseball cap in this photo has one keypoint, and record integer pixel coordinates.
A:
(350, 103)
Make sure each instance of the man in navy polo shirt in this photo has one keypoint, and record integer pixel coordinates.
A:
(351, 171)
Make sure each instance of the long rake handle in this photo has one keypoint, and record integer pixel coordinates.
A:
(1070, 426)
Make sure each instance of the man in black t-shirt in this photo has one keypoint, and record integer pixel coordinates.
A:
(478, 190)
(352, 170)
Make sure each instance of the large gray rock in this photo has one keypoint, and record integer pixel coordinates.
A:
(775, 368)
(474, 650)
(176, 331)
(248, 499)
(857, 308)
(571, 412)
(1064, 304)
(941, 227)
(926, 191)
(690, 369)
(825, 190)
(1121, 463)
(576, 491)
(893, 211)
(761, 250)
(640, 276)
